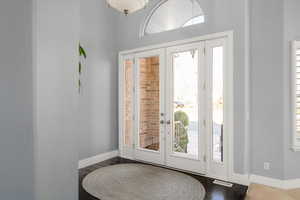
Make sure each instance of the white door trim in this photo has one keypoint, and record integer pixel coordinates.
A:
(212, 36)
(215, 169)
(229, 80)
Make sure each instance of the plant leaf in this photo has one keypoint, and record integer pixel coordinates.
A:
(79, 68)
(79, 85)
(82, 51)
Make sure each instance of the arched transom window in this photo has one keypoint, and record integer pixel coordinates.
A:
(173, 14)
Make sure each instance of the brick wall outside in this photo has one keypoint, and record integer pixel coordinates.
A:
(149, 103)
(128, 97)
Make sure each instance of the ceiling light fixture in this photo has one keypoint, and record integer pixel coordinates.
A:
(127, 6)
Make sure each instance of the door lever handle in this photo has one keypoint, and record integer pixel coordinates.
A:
(163, 122)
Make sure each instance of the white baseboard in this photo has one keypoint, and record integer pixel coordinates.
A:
(291, 184)
(283, 184)
(266, 181)
(242, 179)
(96, 159)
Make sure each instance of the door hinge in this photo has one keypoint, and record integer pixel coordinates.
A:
(204, 51)
(193, 53)
(204, 123)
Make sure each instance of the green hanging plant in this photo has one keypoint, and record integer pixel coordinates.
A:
(82, 53)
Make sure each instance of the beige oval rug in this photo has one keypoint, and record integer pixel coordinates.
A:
(142, 182)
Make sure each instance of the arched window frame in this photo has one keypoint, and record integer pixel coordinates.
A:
(149, 16)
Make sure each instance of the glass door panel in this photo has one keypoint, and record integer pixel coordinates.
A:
(185, 103)
(149, 103)
(217, 104)
(128, 102)
(217, 138)
(127, 124)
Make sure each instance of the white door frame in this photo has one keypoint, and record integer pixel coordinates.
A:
(216, 169)
(229, 97)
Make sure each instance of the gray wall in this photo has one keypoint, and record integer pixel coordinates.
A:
(291, 32)
(270, 130)
(98, 100)
(267, 87)
(220, 16)
(16, 123)
(274, 24)
(56, 37)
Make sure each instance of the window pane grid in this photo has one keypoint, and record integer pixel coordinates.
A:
(173, 14)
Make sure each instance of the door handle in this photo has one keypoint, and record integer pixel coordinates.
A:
(162, 122)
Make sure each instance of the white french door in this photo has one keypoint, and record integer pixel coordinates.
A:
(149, 90)
(174, 105)
(185, 105)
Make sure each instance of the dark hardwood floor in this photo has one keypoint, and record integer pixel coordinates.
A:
(213, 192)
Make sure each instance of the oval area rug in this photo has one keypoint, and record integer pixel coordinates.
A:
(142, 182)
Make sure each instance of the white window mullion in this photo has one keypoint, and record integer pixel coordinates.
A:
(296, 94)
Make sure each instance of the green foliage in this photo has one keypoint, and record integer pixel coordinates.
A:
(183, 117)
(82, 51)
(182, 131)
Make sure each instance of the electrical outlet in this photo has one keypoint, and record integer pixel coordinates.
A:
(267, 166)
